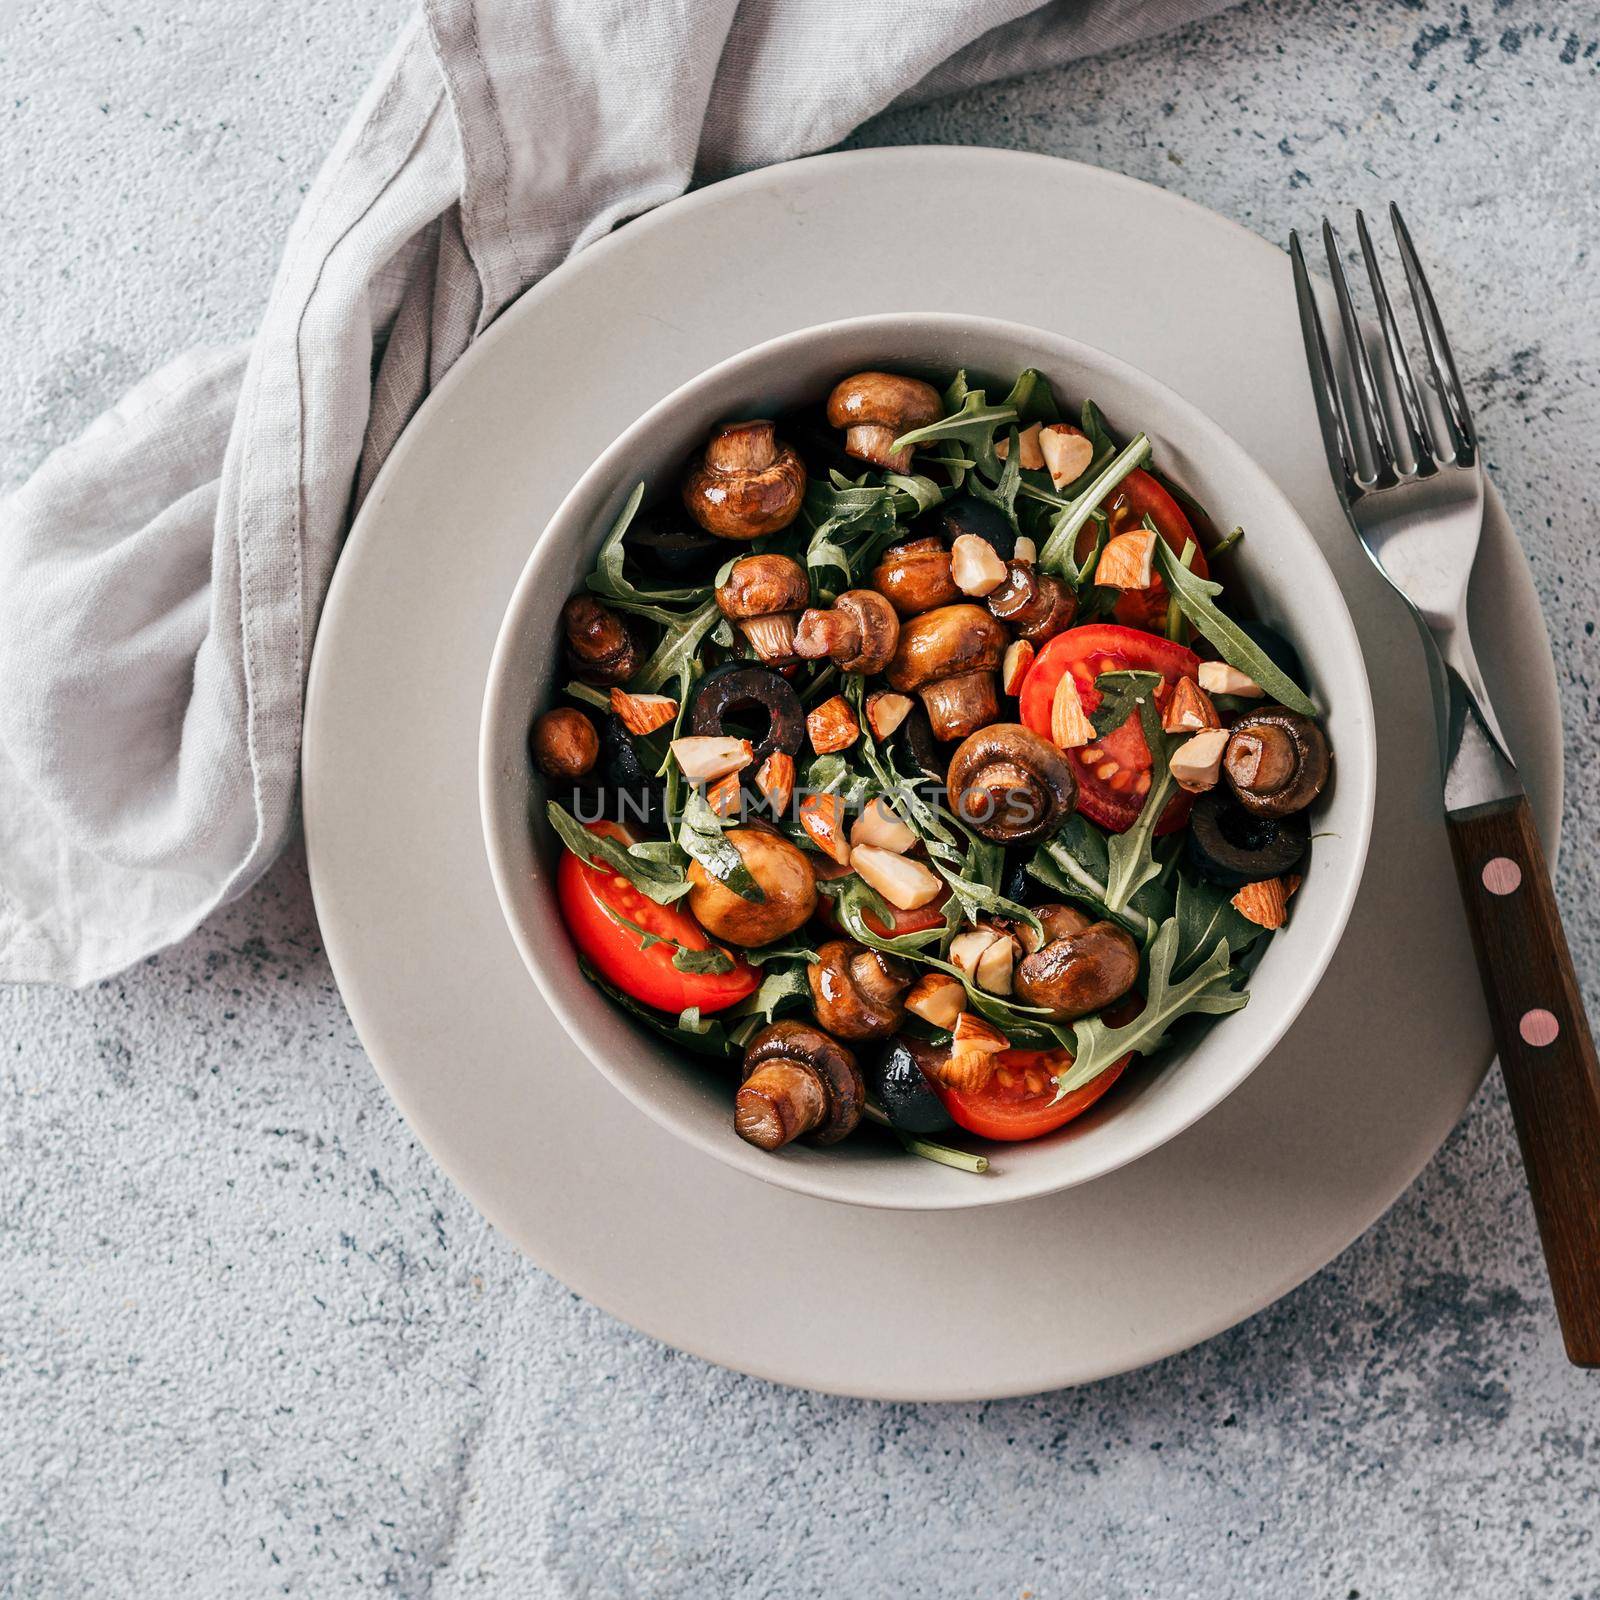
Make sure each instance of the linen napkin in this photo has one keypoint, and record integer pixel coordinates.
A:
(161, 576)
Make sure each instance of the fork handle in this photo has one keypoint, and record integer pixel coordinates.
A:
(1546, 1051)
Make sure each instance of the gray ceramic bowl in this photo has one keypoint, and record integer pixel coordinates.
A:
(1289, 582)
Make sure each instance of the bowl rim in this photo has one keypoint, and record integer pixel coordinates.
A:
(813, 1178)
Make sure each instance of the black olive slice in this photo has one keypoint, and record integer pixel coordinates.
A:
(928, 758)
(668, 545)
(630, 791)
(1277, 650)
(968, 514)
(748, 702)
(1231, 847)
(900, 1087)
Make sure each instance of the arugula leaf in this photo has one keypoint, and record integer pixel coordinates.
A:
(661, 881)
(1032, 398)
(922, 493)
(779, 990)
(674, 657)
(972, 427)
(1075, 864)
(1194, 597)
(1093, 423)
(1003, 497)
(1063, 538)
(588, 694)
(1122, 693)
(706, 1037)
(1205, 914)
(853, 897)
(700, 835)
(1208, 989)
(849, 522)
(608, 577)
(1131, 853)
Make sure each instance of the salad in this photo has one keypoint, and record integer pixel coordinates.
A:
(909, 758)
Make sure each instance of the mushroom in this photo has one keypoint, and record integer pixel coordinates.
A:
(1276, 762)
(1010, 785)
(855, 992)
(797, 1080)
(858, 632)
(915, 576)
(949, 657)
(782, 873)
(764, 595)
(875, 408)
(1037, 604)
(601, 644)
(564, 743)
(1080, 966)
(746, 484)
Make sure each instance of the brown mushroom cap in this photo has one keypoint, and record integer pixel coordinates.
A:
(1276, 761)
(1037, 604)
(746, 484)
(564, 743)
(915, 576)
(600, 643)
(875, 408)
(784, 876)
(858, 632)
(758, 586)
(1010, 785)
(856, 992)
(1079, 973)
(773, 1089)
(945, 644)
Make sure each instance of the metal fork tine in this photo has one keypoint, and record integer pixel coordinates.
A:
(1368, 402)
(1418, 433)
(1458, 415)
(1324, 382)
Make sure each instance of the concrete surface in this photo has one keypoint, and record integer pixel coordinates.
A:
(252, 1343)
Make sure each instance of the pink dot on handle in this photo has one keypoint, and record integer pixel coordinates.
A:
(1502, 875)
(1538, 1027)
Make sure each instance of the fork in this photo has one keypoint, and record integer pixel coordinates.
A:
(1406, 467)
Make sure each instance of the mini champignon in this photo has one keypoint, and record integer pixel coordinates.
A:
(782, 874)
(746, 484)
(1036, 604)
(564, 743)
(764, 595)
(1080, 966)
(915, 576)
(600, 643)
(1010, 785)
(855, 992)
(1276, 762)
(797, 1082)
(876, 408)
(949, 657)
(858, 632)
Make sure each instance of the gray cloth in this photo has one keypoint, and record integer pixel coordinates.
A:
(161, 576)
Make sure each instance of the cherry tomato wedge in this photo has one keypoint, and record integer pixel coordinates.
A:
(918, 921)
(1139, 496)
(1019, 1102)
(1113, 773)
(592, 899)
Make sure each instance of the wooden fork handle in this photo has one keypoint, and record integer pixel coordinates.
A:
(1546, 1051)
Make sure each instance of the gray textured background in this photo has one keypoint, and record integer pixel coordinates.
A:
(251, 1342)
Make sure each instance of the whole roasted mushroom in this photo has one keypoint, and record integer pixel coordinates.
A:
(1276, 762)
(746, 484)
(564, 743)
(948, 657)
(764, 595)
(782, 873)
(875, 408)
(797, 1081)
(855, 992)
(858, 632)
(1036, 604)
(600, 642)
(915, 576)
(1080, 966)
(1010, 785)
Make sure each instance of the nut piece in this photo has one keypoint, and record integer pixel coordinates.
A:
(764, 594)
(746, 484)
(600, 643)
(723, 796)
(855, 992)
(886, 710)
(1276, 762)
(705, 757)
(1190, 709)
(1217, 677)
(1125, 563)
(797, 1081)
(1029, 456)
(878, 825)
(906, 884)
(858, 632)
(822, 817)
(936, 999)
(1067, 453)
(832, 726)
(986, 955)
(775, 781)
(948, 656)
(1070, 727)
(1266, 903)
(1010, 785)
(915, 576)
(875, 408)
(1025, 550)
(643, 713)
(1018, 658)
(975, 567)
(1197, 763)
(782, 873)
(564, 743)
(974, 1043)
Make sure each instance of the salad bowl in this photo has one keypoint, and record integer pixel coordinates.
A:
(1277, 563)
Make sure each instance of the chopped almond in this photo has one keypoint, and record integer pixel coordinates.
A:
(1019, 657)
(643, 713)
(775, 780)
(1266, 903)
(1190, 709)
(994, 965)
(1217, 677)
(973, 1032)
(965, 1071)
(1070, 728)
(705, 757)
(1125, 561)
(1197, 762)
(906, 884)
(822, 816)
(967, 949)
(976, 566)
(1067, 452)
(1025, 550)
(832, 726)
(1029, 454)
(878, 825)
(885, 712)
(936, 999)
(723, 795)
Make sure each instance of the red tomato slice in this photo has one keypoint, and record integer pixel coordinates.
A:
(1113, 773)
(1019, 1102)
(1139, 496)
(931, 916)
(587, 893)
